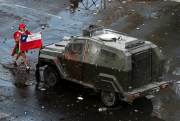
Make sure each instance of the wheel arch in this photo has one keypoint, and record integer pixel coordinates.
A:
(54, 62)
(108, 82)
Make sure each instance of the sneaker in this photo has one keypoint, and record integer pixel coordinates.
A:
(27, 68)
(16, 63)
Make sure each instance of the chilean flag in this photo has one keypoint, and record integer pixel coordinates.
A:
(29, 42)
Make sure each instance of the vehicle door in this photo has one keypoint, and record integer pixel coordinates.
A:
(73, 59)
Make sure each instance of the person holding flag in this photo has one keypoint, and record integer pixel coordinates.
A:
(25, 40)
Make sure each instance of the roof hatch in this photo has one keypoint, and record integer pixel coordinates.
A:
(109, 37)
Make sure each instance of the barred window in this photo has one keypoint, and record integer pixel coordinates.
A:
(75, 47)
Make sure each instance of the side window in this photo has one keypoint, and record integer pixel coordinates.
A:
(75, 47)
(78, 48)
(69, 47)
(107, 54)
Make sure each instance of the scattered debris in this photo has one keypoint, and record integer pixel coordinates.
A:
(149, 96)
(124, 2)
(2, 98)
(154, 15)
(102, 109)
(80, 98)
(43, 89)
(12, 27)
(136, 111)
(99, 21)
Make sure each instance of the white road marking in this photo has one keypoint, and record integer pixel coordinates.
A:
(24, 7)
(176, 0)
(4, 116)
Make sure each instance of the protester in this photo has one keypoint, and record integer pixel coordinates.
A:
(17, 36)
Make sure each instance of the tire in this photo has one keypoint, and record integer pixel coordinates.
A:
(51, 76)
(110, 99)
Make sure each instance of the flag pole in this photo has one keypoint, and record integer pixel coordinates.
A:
(19, 45)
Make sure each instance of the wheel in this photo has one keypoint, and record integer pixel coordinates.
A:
(51, 76)
(110, 99)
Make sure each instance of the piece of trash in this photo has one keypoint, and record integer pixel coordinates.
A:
(111, 113)
(43, 89)
(102, 109)
(72, 5)
(136, 111)
(124, 2)
(42, 107)
(94, 13)
(71, 24)
(79, 98)
(28, 83)
(137, 28)
(149, 96)
(42, 27)
(2, 98)
(154, 15)
(99, 21)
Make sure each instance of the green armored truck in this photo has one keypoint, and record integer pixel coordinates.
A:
(117, 66)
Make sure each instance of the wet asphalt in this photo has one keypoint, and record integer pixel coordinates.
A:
(21, 99)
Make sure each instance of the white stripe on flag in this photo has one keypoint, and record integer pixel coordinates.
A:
(32, 37)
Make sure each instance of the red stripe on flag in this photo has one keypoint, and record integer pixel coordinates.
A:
(30, 45)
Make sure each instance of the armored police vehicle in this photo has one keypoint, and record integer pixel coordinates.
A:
(117, 66)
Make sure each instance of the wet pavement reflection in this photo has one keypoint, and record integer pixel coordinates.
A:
(21, 98)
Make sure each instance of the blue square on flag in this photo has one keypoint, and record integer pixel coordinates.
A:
(23, 38)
